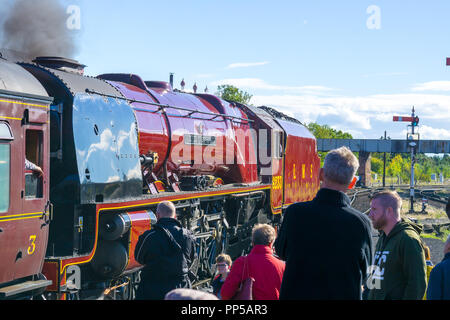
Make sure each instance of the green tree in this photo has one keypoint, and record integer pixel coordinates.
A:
(397, 167)
(377, 166)
(421, 173)
(326, 132)
(231, 93)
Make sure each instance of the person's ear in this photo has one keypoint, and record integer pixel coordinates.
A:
(389, 212)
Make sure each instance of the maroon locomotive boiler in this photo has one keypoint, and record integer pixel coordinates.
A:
(119, 145)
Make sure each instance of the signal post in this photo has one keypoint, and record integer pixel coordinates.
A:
(413, 138)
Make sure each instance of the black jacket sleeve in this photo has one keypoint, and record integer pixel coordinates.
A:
(145, 251)
(366, 260)
(281, 242)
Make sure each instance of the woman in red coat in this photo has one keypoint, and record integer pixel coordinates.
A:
(260, 264)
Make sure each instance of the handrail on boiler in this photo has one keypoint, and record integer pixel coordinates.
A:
(162, 107)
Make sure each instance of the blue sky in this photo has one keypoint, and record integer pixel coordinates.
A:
(319, 61)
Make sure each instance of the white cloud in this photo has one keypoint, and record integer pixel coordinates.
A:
(246, 64)
(430, 133)
(359, 112)
(433, 86)
(335, 111)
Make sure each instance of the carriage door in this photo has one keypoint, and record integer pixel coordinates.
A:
(35, 197)
(10, 205)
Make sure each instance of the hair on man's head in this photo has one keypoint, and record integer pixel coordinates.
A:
(389, 198)
(340, 166)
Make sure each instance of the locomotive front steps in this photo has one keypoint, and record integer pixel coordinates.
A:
(28, 286)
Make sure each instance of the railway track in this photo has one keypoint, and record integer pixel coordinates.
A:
(438, 199)
(436, 195)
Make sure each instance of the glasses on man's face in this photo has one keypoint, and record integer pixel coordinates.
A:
(222, 265)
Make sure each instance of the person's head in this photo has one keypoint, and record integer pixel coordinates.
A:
(339, 168)
(385, 209)
(223, 263)
(263, 234)
(447, 245)
(166, 209)
(189, 294)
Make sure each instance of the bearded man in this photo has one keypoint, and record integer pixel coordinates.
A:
(399, 272)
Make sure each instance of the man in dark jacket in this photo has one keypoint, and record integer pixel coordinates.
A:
(327, 245)
(399, 272)
(166, 251)
(439, 285)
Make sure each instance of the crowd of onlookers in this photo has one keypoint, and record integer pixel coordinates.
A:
(322, 251)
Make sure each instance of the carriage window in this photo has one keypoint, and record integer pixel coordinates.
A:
(4, 177)
(278, 145)
(33, 154)
(5, 132)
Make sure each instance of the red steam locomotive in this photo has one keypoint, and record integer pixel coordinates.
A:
(113, 147)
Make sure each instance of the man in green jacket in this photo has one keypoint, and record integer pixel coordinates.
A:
(399, 270)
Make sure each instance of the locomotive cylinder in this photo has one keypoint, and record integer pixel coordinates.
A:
(110, 260)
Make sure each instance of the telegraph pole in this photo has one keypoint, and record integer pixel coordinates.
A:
(412, 139)
(411, 182)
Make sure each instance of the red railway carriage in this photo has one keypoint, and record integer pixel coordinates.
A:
(301, 164)
(294, 163)
(120, 145)
(24, 197)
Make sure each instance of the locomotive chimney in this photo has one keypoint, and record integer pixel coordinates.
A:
(63, 64)
(171, 80)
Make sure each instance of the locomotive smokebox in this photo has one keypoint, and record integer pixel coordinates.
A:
(63, 64)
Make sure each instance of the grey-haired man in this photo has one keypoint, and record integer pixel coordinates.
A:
(327, 245)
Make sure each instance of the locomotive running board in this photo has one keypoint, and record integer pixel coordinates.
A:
(16, 289)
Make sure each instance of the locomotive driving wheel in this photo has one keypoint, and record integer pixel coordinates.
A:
(211, 239)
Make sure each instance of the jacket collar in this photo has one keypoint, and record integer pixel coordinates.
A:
(262, 249)
(165, 222)
(404, 224)
(332, 197)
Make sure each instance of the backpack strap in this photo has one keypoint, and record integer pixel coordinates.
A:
(172, 240)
